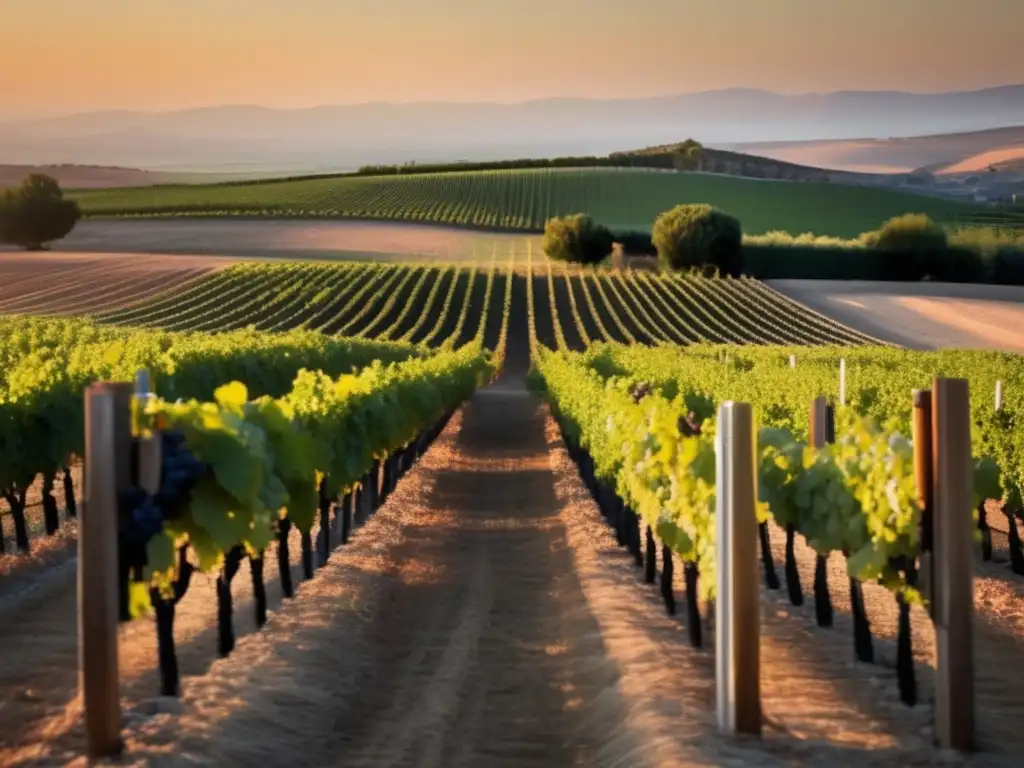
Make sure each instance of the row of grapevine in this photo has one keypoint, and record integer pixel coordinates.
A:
(428, 304)
(526, 199)
(48, 363)
(441, 305)
(641, 426)
(256, 468)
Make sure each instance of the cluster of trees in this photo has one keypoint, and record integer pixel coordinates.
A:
(686, 237)
(699, 237)
(682, 156)
(36, 213)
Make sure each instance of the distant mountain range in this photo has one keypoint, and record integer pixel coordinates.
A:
(252, 138)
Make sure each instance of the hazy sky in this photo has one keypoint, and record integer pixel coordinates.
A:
(72, 55)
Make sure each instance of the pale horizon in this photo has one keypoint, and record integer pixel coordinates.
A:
(499, 102)
(66, 58)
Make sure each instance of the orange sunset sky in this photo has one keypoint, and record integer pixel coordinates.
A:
(63, 56)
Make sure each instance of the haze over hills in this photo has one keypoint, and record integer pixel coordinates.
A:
(941, 154)
(251, 138)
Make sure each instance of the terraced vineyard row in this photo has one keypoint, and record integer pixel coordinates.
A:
(525, 199)
(447, 306)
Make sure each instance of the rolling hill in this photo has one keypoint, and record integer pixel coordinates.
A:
(937, 153)
(249, 138)
(622, 198)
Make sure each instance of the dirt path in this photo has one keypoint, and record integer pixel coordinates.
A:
(293, 238)
(484, 616)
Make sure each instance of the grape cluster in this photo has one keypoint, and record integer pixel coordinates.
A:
(179, 472)
(142, 515)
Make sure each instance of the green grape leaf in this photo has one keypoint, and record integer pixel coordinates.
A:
(139, 602)
(160, 552)
(233, 395)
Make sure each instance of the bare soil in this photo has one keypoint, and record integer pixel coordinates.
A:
(294, 239)
(484, 616)
(919, 315)
(62, 283)
(999, 627)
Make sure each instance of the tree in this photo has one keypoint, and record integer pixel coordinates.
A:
(916, 246)
(36, 213)
(576, 238)
(699, 236)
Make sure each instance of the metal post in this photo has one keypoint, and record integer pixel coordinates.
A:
(923, 476)
(107, 467)
(737, 608)
(954, 564)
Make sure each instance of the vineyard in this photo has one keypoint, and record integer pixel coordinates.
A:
(326, 417)
(404, 307)
(448, 306)
(627, 199)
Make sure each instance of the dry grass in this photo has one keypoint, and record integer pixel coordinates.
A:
(995, 324)
(984, 160)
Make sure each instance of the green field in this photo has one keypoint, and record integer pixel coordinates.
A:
(525, 199)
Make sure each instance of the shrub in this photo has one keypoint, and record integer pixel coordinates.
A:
(778, 237)
(36, 213)
(959, 265)
(917, 246)
(576, 238)
(1006, 266)
(699, 236)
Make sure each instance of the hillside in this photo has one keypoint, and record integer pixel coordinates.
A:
(524, 199)
(691, 156)
(103, 177)
(250, 138)
(86, 176)
(1002, 160)
(893, 155)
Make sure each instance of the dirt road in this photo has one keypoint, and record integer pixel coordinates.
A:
(484, 616)
(919, 315)
(294, 239)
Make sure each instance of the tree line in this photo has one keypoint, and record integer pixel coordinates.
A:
(699, 237)
(682, 156)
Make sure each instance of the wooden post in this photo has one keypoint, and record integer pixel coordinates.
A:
(999, 395)
(923, 476)
(819, 422)
(737, 608)
(842, 381)
(953, 496)
(107, 468)
(822, 432)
